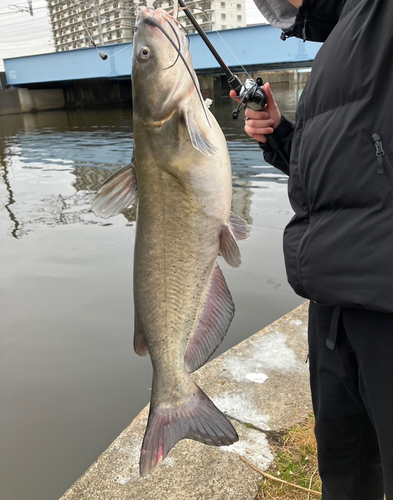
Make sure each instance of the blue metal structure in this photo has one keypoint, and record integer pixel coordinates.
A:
(250, 46)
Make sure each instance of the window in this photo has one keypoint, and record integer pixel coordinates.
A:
(224, 27)
(239, 18)
(239, 6)
(223, 4)
(223, 16)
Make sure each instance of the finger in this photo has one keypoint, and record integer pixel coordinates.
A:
(257, 124)
(252, 132)
(260, 138)
(272, 107)
(256, 115)
(234, 96)
(268, 92)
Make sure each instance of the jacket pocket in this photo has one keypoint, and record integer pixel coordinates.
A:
(384, 165)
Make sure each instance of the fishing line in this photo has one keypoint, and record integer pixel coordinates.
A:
(121, 50)
(152, 21)
(101, 54)
(222, 39)
(178, 41)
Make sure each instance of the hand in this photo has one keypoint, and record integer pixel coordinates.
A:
(261, 123)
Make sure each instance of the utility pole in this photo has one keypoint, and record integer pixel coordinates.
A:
(30, 4)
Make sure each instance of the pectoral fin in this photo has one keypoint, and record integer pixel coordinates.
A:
(117, 193)
(197, 136)
(213, 322)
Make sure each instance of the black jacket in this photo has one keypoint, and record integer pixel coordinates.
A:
(339, 245)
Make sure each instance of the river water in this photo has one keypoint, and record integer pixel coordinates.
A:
(70, 381)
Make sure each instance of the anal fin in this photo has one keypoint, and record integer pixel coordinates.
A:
(213, 321)
(116, 193)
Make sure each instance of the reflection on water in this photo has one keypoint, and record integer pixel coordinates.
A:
(71, 380)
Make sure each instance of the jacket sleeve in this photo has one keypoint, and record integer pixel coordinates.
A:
(284, 133)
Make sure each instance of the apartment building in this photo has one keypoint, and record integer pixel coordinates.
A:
(212, 15)
(111, 21)
(107, 21)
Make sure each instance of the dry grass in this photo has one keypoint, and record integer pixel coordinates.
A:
(296, 463)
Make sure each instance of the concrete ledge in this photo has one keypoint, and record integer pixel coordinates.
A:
(261, 385)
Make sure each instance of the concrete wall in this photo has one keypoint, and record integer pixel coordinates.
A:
(14, 101)
(91, 93)
(9, 102)
(214, 86)
(95, 94)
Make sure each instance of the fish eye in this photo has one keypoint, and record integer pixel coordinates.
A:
(144, 52)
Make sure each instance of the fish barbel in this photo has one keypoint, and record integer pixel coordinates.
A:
(181, 174)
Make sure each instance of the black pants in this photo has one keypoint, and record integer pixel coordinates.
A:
(352, 393)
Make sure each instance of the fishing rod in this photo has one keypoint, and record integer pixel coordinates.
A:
(251, 93)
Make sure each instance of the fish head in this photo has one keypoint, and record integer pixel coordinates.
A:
(162, 71)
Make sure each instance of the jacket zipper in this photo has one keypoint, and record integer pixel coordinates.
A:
(382, 159)
(298, 264)
(379, 152)
(304, 28)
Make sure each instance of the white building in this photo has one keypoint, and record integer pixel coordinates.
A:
(211, 15)
(73, 22)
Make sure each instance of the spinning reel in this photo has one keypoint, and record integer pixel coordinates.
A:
(251, 96)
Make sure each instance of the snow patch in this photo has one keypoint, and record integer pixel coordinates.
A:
(122, 479)
(270, 352)
(259, 378)
(242, 409)
(169, 461)
(255, 449)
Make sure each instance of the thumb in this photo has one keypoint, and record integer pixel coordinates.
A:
(271, 106)
(234, 95)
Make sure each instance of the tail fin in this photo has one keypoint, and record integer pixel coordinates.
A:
(200, 420)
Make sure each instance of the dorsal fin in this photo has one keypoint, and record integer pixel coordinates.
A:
(228, 247)
(240, 229)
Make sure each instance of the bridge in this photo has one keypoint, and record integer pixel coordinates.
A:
(253, 47)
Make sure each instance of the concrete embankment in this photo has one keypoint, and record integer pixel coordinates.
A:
(261, 385)
(95, 93)
(14, 101)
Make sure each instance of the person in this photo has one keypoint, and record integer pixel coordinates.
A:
(338, 246)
